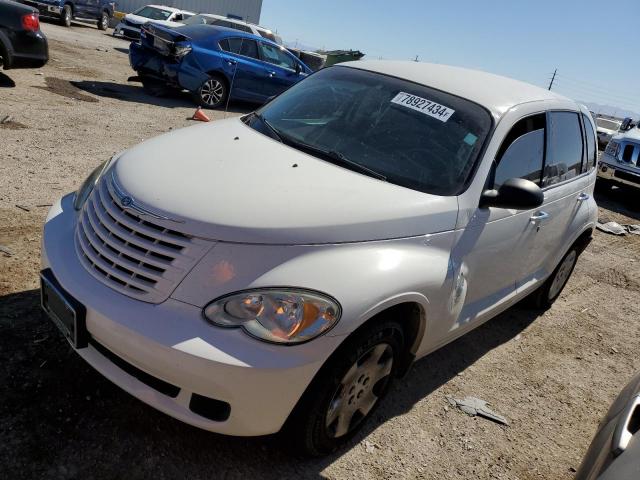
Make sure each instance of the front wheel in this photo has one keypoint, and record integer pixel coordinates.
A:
(66, 16)
(347, 390)
(212, 93)
(103, 22)
(550, 290)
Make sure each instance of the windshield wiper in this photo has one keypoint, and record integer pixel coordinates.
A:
(334, 157)
(275, 132)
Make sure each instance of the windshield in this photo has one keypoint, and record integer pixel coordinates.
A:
(152, 13)
(608, 124)
(409, 134)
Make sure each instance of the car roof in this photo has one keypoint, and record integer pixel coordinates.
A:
(218, 31)
(496, 93)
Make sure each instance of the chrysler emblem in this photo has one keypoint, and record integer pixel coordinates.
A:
(126, 201)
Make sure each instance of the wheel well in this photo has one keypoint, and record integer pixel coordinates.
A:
(412, 319)
(221, 76)
(583, 240)
(70, 6)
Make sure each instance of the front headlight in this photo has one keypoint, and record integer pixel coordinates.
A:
(277, 315)
(87, 186)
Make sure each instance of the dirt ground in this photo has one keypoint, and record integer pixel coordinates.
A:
(552, 375)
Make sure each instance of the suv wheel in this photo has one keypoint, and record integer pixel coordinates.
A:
(66, 16)
(212, 93)
(550, 290)
(103, 23)
(347, 389)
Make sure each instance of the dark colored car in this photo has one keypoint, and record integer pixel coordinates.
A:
(64, 11)
(22, 44)
(214, 62)
(614, 453)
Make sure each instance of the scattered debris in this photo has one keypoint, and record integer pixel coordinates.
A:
(614, 350)
(370, 447)
(39, 340)
(617, 229)
(6, 251)
(39, 73)
(475, 406)
(22, 207)
(6, 119)
(42, 364)
(611, 227)
(45, 205)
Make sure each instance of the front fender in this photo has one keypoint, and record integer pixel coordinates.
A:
(366, 278)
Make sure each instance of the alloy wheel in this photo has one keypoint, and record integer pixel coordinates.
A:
(211, 92)
(359, 390)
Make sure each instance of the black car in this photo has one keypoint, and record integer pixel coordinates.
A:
(22, 44)
(614, 453)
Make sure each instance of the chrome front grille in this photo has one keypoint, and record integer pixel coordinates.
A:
(137, 257)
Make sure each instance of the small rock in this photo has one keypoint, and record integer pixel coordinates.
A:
(614, 350)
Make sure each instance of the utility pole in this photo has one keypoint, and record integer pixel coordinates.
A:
(416, 59)
(553, 78)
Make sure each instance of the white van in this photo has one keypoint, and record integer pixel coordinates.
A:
(278, 270)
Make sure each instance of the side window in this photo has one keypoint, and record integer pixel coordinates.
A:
(249, 48)
(276, 56)
(591, 143)
(522, 152)
(564, 148)
(232, 45)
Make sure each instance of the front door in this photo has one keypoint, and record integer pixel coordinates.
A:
(565, 184)
(490, 255)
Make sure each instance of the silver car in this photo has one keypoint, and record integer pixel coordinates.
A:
(620, 162)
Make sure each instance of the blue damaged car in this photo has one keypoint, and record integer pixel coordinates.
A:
(214, 63)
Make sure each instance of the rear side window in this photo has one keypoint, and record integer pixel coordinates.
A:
(249, 48)
(522, 152)
(233, 45)
(564, 148)
(591, 143)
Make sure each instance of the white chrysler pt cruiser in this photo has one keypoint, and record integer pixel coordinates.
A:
(276, 271)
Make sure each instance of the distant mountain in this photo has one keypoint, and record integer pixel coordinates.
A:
(610, 110)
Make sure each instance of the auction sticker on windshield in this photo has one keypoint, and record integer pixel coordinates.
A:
(423, 105)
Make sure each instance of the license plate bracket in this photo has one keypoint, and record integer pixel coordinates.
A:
(66, 312)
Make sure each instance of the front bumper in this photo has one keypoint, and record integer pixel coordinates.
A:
(612, 170)
(172, 343)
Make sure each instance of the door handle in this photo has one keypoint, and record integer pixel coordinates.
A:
(272, 74)
(583, 196)
(626, 428)
(539, 216)
(231, 62)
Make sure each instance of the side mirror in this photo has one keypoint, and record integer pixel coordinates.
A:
(298, 68)
(516, 193)
(626, 124)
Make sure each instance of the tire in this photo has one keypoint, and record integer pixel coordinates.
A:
(66, 16)
(551, 289)
(212, 93)
(103, 22)
(347, 390)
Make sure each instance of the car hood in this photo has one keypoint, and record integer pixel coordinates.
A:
(225, 181)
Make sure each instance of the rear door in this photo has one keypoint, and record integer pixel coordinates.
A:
(242, 54)
(282, 69)
(565, 183)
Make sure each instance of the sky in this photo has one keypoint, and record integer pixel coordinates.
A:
(591, 43)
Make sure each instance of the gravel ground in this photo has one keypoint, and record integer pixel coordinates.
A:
(552, 375)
